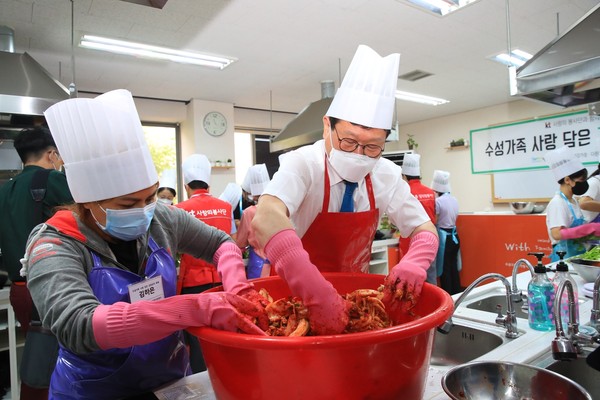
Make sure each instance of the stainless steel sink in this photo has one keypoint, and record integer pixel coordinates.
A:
(464, 343)
(577, 370)
(490, 304)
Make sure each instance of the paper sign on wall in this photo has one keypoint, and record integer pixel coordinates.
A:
(521, 145)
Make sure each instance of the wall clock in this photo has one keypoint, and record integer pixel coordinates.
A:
(215, 123)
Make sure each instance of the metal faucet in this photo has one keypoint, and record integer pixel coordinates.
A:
(509, 321)
(595, 314)
(515, 294)
(566, 347)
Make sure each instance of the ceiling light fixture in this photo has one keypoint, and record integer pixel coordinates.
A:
(515, 59)
(419, 98)
(153, 52)
(440, 7)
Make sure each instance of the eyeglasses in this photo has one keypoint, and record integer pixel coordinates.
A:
(350, 145)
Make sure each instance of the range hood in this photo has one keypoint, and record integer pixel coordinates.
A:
(567, 71)
(307, 127)
(26, 88)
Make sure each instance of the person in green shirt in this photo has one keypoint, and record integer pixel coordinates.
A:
(37, 151)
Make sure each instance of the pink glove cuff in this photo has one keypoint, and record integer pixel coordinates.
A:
(422, 249)
(283, 248)
(580, 231)
(228, 259)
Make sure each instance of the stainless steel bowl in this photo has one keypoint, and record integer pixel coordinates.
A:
(539, 208)
(499, 380)
(522, 207)
(587, 269)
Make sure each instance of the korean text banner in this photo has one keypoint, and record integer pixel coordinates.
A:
(521, 145)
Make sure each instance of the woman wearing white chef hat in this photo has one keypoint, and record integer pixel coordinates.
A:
(101, 272)
(313, 181)
(564, 218)
(168, 184)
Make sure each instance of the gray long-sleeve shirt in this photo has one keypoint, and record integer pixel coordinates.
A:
(60, 261)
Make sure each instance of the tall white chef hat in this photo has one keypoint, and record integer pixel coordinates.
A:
(256, 179)
(102, 144)
(196, 168)
(441, 181)
(367, 93)
(168, 178)
(410, 164)
(232, 194)
(562, 162)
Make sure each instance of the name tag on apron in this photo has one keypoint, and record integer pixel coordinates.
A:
(148, 289)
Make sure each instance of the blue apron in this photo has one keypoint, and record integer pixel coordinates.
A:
(119, 373)
(255, 264)
(439, 260)
(570, 246)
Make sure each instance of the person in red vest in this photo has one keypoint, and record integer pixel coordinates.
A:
(411, 173)
(197, 275)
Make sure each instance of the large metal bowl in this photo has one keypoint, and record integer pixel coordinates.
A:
(522, 207)
(587, 269)
(507, 381)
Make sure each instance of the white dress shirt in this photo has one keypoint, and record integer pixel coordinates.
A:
(299, 184)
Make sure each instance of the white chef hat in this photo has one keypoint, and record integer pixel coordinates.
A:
(441, 181)
(196, 168)
(256, 179)
(232, 194)
(367, 93)
(410, 164)
(168, 179)
(102, 143)
(562, 162)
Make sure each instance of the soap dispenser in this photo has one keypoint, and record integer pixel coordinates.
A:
(541, 298)
(562, 274)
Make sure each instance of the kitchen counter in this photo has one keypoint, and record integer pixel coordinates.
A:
(530, 345)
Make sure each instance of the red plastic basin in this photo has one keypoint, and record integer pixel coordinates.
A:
(391, 363)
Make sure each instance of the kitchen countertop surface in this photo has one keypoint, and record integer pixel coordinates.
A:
(530, 345)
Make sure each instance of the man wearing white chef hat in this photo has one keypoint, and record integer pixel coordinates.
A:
(411, 173)
(564, 219)
(313, 181)
(448, 261)
(101, 273)
(255, 181)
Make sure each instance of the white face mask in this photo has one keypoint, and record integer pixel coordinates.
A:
(352, 167)
(166, 201)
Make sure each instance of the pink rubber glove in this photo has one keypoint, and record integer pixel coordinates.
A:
(230, 265)
(120, 325)
(228, 259)
(327, 310)
(593, 228)
(403, 285)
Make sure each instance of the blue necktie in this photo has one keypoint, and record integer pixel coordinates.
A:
(347, 203)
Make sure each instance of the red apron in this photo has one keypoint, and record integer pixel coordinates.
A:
(341, 241)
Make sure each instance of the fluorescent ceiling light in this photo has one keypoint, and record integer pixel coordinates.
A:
(154, 52)
(515, 59)
(441, 7)
(419, 98)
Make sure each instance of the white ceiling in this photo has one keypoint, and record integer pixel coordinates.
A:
(286, 47)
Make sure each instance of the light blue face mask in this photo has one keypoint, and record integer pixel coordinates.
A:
(128, 224)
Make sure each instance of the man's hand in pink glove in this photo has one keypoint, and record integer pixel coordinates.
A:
(327, 310)
(402, 287)
(593, 228)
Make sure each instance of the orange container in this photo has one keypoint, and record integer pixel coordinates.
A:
(391, 363)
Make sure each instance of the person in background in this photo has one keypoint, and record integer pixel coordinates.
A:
(168, 182)
(256, 180)
(253, 177)
(335, 192)
(101, 272)
(590, 200)
(195, 274)
(564, 219)
(39, 154)
(411, 173)
(232, 194)
(448, 262)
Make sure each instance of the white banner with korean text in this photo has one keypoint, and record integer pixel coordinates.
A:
(521, 145)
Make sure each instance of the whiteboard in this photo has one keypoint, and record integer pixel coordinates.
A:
(538, 185)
